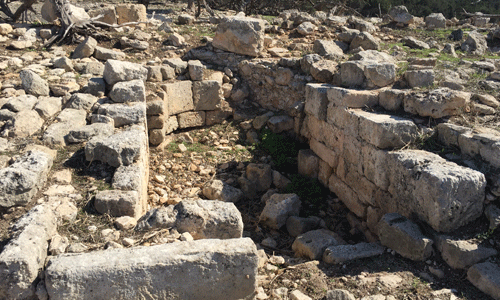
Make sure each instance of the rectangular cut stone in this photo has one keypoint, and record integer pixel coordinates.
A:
(25, 254)
(347, 195)
(316, 100)
(179, 96)
(202, 269)
(344, 119)
(326, 154)
(191, 119)
(325, 171)
(317, 129)
(118, 203)
(156, 122)
(352, 98)
(441, 193)
(374, 165)
(207, 95)
(385, 131)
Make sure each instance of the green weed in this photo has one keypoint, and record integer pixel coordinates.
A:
(311, 194)
(283, 151)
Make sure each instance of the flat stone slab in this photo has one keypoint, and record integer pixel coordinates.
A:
(342, 253)
(312, 244)
(205, 269)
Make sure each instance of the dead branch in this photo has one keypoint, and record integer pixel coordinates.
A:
(467, 14)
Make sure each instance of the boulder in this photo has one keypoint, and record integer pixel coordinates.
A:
(127, 13)
(82, 101)
(306, 28)
(462, 254)
(240, 35)
(87, 132)
(328, 49)
(196, 70)
(414, 43)
(48, 107)
(24, 124)
(323, 70)
(261, 175)
(381, 75)
(475, 43)
(124, 114)
(486, 277)
(119, 273)
(438, 103)
(435, 20)
(85, 48)
(312, 244)
(118, 203)
(366, 41)
(344, 253)
(102, 53)
(400, 14)
(207, 95)
(179, 96)
(420, 78)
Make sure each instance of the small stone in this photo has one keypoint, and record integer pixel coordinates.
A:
(125, 223)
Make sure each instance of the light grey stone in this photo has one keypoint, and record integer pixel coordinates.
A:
(116, 71)
(128, 91)
(102, 53)
(24, 124)
(96, 86)
(404, 237)
(33, 84)
(279, 208)
(492, 213)
(400, 14)
(207, 95)
(279, 124)
(24, 256)
(414, 43)
(366, 41)
(94, 68)
(23, 179)
(191, 119)
(306, 28)
(20, 103)
(180, 67)
(344, 253)
(218, 190)
(179, 96)
(461, 254)
(124, 273)
(47, 107)
(63, 63)
(324, 70)
(196, 70)
(122, 148)
(82, 101)
(373, 56)
(435, 20)
(308, 60)
(118, 203)
(87, 132)
(328, 49)
(420, 78)
(353, 73)
(312, 244)
(381, 75)
(240, 35)
(317, 100)
(128, 178)
(124, 114)
(203, 219)
(475, 43)
(441, 193)
(339, 295)
(438, 103)
(391, 99)
(132, 43)
(85, 48)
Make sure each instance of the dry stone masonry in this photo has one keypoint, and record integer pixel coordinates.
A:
(94, 143)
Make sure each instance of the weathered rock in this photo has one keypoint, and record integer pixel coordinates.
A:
(128, 178)
(218, 190)
(82, 101)
(317, 100)
(308, 163)
(461, 254)
(131, 13)
(373, 56)
(196, 70)
(404, 237)
(308, 60)
(279, 124)
(400, 14)
(312, 244)
(191, 119)
(203, 219)
(437, 103)
(132, 43)
(5, 29)
(306, 28)
(420, 78)
(486, 277)
(63, 63)
(475, 43)
(492, 213)
(414, 43)
(185, 19)
(353, 73)
(22, 180)
(435, 20)
(323, 70)
(343, 253)
(128, 91)
(124, 114)
(96, 86)
(87, 132)
(240, 35)
(391, 99)
(120, 272)
(366, 41)
(58, 245)
(207, 95)
(24, 124)
(102, 53)
(20, 103)
(179, 96)
(443, 194)
(24, 256)
(278, 208)
(261, 175)
(122, 148)
(381, 75)
(85, 48)
(116, 71)
(339, 295)
(328, 49)
(33, 84)
(118, 203)
(48, 107)
(350, 98)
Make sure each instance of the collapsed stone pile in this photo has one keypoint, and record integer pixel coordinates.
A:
(347, 101)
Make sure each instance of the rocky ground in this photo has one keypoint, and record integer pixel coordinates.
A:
(188, 160)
